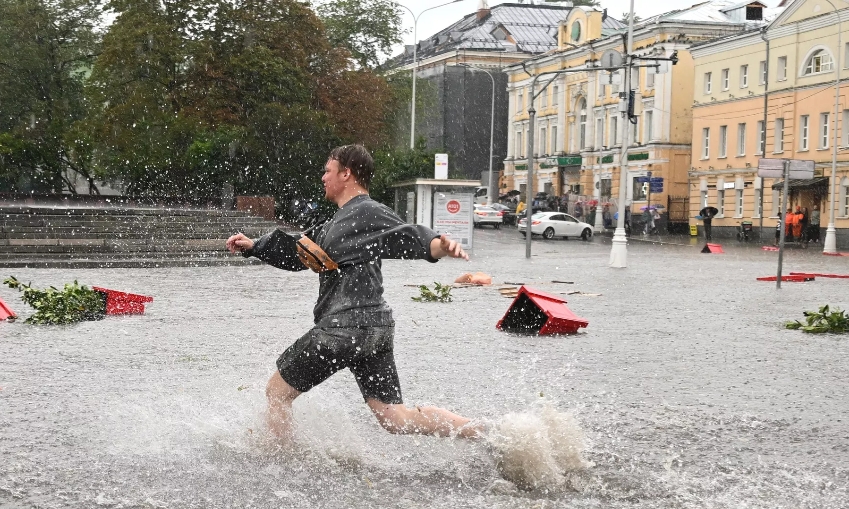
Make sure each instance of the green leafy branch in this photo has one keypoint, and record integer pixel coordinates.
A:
(440, 293)
(824, 320)
(74, 303)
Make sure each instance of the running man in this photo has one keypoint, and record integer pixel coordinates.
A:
(354, 327)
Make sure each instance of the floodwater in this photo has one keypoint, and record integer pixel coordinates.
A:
(686, 388)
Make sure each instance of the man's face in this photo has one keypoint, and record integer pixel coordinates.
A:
(335, 179)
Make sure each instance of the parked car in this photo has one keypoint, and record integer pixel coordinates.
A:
(508, 212)
(487, 215)
(556, 224)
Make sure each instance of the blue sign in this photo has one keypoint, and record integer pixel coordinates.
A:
(653, 180)
(656, 188)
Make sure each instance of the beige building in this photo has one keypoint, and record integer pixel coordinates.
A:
(770, 93)
(580, 128)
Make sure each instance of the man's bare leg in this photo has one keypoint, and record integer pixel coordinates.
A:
(280, 396)
(427, 420)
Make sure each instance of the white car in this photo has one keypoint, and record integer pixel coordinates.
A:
(488, 215)
(556, 224)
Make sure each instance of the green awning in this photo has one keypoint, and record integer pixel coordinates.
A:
(803, 184)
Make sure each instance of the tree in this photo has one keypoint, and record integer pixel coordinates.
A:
(46, 50)
(366, 28)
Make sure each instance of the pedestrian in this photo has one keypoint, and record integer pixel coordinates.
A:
(814, 226)
(354, 326)
(647, 221)
(803, 222)
(777, 230)
(797, 224)
(606, 218)
(520, 208)
(708, 214)
(579, 211)
(789, 221)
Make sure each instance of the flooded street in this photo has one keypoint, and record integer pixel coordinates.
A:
(690, 392)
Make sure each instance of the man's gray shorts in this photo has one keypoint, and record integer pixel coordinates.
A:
(366, 351)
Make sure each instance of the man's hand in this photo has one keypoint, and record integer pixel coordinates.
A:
(444, 246)
(239, 243)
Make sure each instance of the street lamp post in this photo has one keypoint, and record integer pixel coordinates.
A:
(490, 186)
(619, 249)
(416, 62)
(830, 244)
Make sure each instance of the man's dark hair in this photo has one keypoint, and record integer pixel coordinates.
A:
(357, 159)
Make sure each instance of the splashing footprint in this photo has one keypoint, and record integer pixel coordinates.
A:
(535, 449)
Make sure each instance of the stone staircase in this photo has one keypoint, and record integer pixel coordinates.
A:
(85, 237)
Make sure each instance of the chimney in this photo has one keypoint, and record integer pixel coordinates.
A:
(483, 9)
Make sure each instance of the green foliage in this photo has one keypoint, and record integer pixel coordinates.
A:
(74, 303)
(440, 293)
(366, 28)
(821, 321)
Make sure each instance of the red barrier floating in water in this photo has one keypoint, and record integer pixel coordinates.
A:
(537, 312)
(122, 303)
(713, 248)
(816, 274)
(835, 254)
(791, 278)
(6, 312)
(769, 248)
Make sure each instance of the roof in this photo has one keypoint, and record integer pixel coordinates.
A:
(716, 11)
(803, 183)
(532, 27)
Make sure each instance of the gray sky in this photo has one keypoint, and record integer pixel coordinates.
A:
(437, 19)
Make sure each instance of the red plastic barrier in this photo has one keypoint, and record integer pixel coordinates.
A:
(791, 278)
(812, 274)
(713, 248)
(769, 248)
(537, 312)
(122, 303)
(6, 312)
(836, 254)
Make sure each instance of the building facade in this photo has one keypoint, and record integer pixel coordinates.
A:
(580, 124)
(770, 93)
(453, 110)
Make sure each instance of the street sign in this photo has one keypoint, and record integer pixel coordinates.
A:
(611, 58)
(774, 168)
(656, 188)
(652, 180)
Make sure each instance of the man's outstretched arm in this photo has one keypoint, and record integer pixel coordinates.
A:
(443, 246)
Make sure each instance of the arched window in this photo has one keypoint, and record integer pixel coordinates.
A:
(819, 61)
(582, 127)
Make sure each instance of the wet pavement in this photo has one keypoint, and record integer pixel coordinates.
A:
(688, 388)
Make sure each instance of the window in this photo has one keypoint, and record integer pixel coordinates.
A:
(723, 141)
(824, 117)
(647, 126)
(555, 148)
(804, 122)
(543, 138)
(782, 69)
(846, 56)
(759, 203)
(846, 128)
(519, 102)
(635, 78)
(779, 135)
(649, 78)
(555, 93)
(776, 202)
(601, 87)
(543, 99)
(706, 143)
(744, 76)
(725, 79)
(707, 83)
(520, 148)
(819, 62)
(762, 72)
(754, 13)
(761, 137)
(614, 129)
(741, 139)
(599, 132)
(720, 201)
(703, 202)
(844, 198)
(635, 134)
(640, 189)
(582, 127)
(738, 202)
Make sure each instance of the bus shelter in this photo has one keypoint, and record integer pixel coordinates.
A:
(414, 198)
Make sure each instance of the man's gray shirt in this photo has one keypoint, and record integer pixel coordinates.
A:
(360, 234)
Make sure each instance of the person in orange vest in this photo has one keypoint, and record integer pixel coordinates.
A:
(789, 221)
(797, 226)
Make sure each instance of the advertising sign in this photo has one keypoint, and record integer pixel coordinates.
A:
(452, 215)
(441, 166)
(774, 168)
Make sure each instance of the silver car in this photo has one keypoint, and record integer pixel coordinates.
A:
(488, 215)
(556, 224)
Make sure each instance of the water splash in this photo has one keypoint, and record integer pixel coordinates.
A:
(537, 448)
